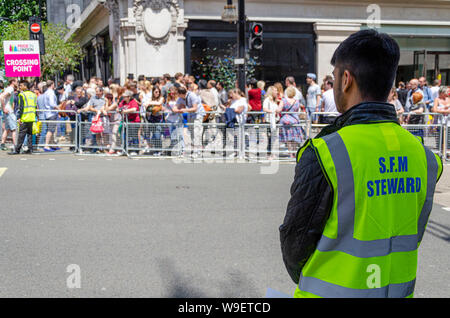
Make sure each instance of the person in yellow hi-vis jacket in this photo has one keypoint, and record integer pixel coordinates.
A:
(363, 188)
(26, 115)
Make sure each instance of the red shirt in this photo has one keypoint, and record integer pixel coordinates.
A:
(254, 99)
(132, 118)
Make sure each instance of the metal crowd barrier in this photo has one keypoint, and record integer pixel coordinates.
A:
(275, 141)
(210, 139)
(111, 140)
(432, 133)
(57, 131)
(195, 139)
(323, 119)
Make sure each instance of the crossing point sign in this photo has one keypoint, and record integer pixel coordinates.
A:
(22, 58)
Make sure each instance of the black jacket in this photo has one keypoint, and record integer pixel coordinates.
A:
(311, 195)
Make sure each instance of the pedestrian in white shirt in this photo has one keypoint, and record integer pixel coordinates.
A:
(272, 107)
(239, 104)
(328, 104)
(9, 117)
(313, 96)
(290, 82)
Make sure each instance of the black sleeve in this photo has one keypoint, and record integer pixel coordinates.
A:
(306, 215)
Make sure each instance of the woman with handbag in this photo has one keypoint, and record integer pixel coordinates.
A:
(154, 116)
(96, 105)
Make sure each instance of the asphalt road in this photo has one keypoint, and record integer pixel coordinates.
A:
(154, 228)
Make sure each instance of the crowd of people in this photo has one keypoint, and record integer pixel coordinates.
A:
(183, 101)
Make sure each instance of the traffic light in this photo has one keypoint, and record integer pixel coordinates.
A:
(35, 30)
(256, 36)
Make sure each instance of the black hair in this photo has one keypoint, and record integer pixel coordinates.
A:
(372, 58)
(253, 82)
(26, 83)
(181, 90)
(202, 84)
(330, 82)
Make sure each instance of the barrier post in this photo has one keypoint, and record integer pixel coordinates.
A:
(444, 139)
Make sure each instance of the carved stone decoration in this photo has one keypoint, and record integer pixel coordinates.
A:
(114, 27)
(157, 19)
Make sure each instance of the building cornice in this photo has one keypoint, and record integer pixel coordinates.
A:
(322, 20)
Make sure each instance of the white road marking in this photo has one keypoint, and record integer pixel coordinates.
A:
(446, 208)
(2, 171)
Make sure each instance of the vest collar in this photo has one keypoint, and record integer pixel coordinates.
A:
(367, 112)
(363, 113)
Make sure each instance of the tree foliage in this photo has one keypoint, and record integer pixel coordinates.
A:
(60, 55)
(19, 10)
(218, 64)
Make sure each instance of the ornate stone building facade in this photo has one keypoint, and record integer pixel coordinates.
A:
(153, 37)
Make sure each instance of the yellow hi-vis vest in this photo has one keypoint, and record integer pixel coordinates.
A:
(29, 109)
(383, 180)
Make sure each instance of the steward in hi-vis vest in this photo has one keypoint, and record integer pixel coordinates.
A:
(26, 115)
(363, 189)
(27, 112)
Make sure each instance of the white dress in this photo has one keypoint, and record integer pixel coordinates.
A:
(272, 106)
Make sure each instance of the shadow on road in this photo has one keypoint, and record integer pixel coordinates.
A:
(180, 285)
(438, 230)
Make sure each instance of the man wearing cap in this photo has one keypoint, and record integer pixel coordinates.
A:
(313, 95)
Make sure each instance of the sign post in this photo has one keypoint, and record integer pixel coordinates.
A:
(22, 58)
(35, 31)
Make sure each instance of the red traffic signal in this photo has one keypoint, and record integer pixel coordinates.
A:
(256, 39)
(257, 29)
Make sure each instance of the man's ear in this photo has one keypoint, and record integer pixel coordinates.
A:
(347, 81)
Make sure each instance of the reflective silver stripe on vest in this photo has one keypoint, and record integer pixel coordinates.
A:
(324, 289)
(432, 172)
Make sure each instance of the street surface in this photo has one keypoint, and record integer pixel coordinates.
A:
(154, 228)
